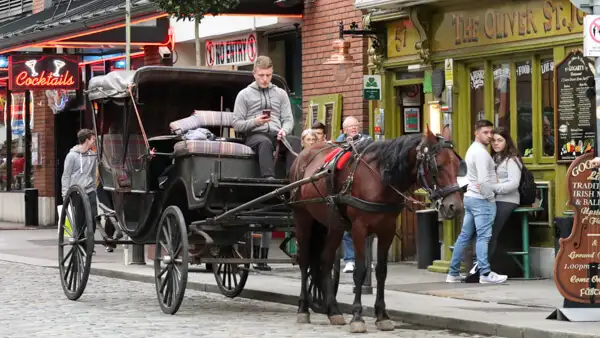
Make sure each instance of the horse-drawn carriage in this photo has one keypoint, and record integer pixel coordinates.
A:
(197, 197)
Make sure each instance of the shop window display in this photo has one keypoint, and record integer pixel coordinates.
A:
(547, 97)
(477, 95)
(502, 95)
(524, 116)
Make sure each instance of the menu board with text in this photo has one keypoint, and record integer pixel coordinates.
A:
(575, 123)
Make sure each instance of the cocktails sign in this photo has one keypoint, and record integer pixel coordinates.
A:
(35, 72)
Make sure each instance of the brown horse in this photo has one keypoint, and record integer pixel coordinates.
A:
(380, 175)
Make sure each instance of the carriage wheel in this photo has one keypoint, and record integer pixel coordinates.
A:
(316, 300)
(231, 278)
(171, 260)
(76, 235)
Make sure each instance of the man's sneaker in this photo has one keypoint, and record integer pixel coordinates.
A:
(349, 267)
(492, 278)
(454, 279)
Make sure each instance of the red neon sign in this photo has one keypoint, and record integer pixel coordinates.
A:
(36, 72)
(44, 80)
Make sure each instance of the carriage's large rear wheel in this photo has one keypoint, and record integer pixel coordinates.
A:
(171, 260)
(76, 237)
(231, 278)
(316, 298)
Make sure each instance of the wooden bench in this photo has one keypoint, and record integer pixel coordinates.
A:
(524, 211)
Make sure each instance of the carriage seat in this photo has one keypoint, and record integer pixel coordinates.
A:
(112, 151)
(207, 119)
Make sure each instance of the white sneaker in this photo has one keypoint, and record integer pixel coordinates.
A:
(349, 267)
(454, 279)
(492, 278)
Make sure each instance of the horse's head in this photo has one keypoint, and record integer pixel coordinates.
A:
(438, 166)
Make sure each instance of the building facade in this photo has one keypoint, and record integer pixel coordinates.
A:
(449, 64)
(37, 136)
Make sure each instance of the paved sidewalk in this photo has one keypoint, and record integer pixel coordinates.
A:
(515, 309)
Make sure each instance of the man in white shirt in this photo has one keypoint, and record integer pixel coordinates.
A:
(480, 207)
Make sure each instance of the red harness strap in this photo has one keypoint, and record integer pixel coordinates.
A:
(342, 161)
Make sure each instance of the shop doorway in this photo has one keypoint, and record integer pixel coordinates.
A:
(66, 124)
(410, 104)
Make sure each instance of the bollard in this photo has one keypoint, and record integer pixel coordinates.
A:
(31, 207)
(367, 288)
(137, 255)
(428, 237)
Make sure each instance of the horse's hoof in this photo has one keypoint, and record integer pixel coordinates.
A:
(337, 320)
(385, 325)
(303, 318)
(358, 327)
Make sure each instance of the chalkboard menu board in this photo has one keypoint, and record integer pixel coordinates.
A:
(575, 125)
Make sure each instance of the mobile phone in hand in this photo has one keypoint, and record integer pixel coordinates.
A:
(266, 113)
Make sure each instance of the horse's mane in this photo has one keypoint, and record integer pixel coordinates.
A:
(392, 159)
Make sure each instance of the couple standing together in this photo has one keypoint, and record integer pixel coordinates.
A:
(492, 195)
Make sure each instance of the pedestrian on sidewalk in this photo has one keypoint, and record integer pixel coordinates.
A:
(508, 170)
(480, 207)
(351, 132)
(80, 169)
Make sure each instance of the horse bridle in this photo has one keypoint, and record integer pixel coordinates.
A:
(428, 170)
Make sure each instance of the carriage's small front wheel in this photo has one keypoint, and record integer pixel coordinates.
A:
(171, 260)
(231, 278)
(76, 238)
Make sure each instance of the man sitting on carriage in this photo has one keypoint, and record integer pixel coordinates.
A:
(263, 114)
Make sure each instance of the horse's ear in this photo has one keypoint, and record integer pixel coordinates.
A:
(429, 136)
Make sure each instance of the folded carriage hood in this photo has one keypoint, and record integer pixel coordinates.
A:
(115, 84)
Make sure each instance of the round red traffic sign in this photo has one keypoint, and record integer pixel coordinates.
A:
(595, 30)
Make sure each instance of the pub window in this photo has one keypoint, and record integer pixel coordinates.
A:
(476, 76)
(547, 98)
(524, 108)
(502, 95)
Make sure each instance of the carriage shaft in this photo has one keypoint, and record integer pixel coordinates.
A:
(247, 260)
(274, 193)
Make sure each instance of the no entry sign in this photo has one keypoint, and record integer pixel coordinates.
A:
(591, 35)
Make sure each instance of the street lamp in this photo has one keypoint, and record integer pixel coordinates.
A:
(341, 61)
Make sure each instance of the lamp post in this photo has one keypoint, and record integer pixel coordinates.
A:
(341, 61)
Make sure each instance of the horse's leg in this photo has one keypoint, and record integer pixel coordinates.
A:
(304, 225)
(384, 241)
(359, 235)
(334, 238)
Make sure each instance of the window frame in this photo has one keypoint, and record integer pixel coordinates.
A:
(536, 104)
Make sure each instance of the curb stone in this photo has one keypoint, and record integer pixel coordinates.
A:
(435, 321)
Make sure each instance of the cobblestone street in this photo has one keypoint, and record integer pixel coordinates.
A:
(33, 305)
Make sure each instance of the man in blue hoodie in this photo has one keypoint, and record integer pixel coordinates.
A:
(263, 113)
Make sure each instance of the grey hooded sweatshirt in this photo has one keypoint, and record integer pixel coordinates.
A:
(80, 169)
(250, 103)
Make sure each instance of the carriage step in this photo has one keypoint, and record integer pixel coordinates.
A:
(247, 260)
(261, 181)
(228, 223)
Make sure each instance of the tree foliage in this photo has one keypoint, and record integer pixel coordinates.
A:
(195, 9)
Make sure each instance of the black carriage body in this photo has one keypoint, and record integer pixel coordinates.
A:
(202, 185)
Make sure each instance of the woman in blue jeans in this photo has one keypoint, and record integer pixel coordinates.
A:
(508, 169)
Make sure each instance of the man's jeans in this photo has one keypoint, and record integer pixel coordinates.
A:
(479, 218)
(348, 247)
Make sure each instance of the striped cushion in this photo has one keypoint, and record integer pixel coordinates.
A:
(202, 118)
(203, 147)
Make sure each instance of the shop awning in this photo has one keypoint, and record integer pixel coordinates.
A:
(88, 15)
(58, 22)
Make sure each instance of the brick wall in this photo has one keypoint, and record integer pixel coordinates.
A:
(44, 125)
(320, 28)
(152, 57)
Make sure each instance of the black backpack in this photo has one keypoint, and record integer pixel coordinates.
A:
(527, 187)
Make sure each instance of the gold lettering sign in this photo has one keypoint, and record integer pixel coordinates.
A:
(513, 21)
(401, 39)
